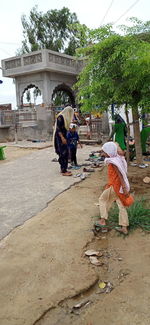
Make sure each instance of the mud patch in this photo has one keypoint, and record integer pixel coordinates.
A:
(136, 176)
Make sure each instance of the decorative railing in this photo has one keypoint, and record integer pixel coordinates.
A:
(11, 64)
(41, 58)
(10, 118)
(61, 60)
(7, 118)
(32, 59)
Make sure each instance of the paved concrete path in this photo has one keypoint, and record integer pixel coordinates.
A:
(28, 183)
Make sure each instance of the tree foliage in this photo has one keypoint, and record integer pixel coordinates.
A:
(57, 30)
(60, 98)
(117, 71)
(139, 29)
(31, 94)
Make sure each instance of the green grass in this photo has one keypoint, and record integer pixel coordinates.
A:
(139, 216)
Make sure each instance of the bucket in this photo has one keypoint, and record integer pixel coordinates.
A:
(2, 154)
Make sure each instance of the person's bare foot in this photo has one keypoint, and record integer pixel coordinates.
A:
(101, 224)
(67, 174)
(122, 230)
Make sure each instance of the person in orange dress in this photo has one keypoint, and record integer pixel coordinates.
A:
(117, 188)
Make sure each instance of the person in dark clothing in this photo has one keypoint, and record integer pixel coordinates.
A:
(60, 138)
(73, 140)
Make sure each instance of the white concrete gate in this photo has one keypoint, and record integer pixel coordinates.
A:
(45, 69)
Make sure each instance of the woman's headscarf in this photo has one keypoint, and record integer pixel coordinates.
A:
(110, 148)
(67, 114)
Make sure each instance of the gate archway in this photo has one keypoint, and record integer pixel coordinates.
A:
(35, 93)
(65, 94)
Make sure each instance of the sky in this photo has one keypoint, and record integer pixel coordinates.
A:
(91, 13)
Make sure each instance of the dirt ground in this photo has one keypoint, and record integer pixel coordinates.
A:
(44, 272)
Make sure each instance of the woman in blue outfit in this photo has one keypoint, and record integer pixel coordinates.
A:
(63, 121)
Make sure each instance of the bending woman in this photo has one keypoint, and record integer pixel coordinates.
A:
(117, 188)
(63, 121)
(120, 131)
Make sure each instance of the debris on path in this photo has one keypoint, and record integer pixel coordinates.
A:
(146, 180)
(75, 309)
(105, 287)
(92, 252)
(94, 260)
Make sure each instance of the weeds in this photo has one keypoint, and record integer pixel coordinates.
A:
(139, 215)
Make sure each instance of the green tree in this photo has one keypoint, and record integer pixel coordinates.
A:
(117, 70)
(79, 38)
(60, 98)
(57, 30)
(28, 96)
(139, 29)
(36, 93)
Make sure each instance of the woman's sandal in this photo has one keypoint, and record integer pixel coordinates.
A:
(103, 228)
(121, 231)
(67, 174)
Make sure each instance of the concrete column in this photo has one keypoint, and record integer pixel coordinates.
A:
(47, 89)
(18, 94)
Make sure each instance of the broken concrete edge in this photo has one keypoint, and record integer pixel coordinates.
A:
(77, 294)
(32, 147)
(20, 225)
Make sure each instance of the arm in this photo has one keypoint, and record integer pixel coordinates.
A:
(119, 150)
(112, 133)
(60, 126)
(125, 192)
(64, 141)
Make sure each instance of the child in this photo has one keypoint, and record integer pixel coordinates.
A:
(117, 188)
(73, 140)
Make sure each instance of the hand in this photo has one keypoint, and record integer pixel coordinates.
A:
(105, 186)
(127, 194)
(64, 141)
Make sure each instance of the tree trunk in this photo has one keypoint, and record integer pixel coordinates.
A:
(128, 134)
(137, 137)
